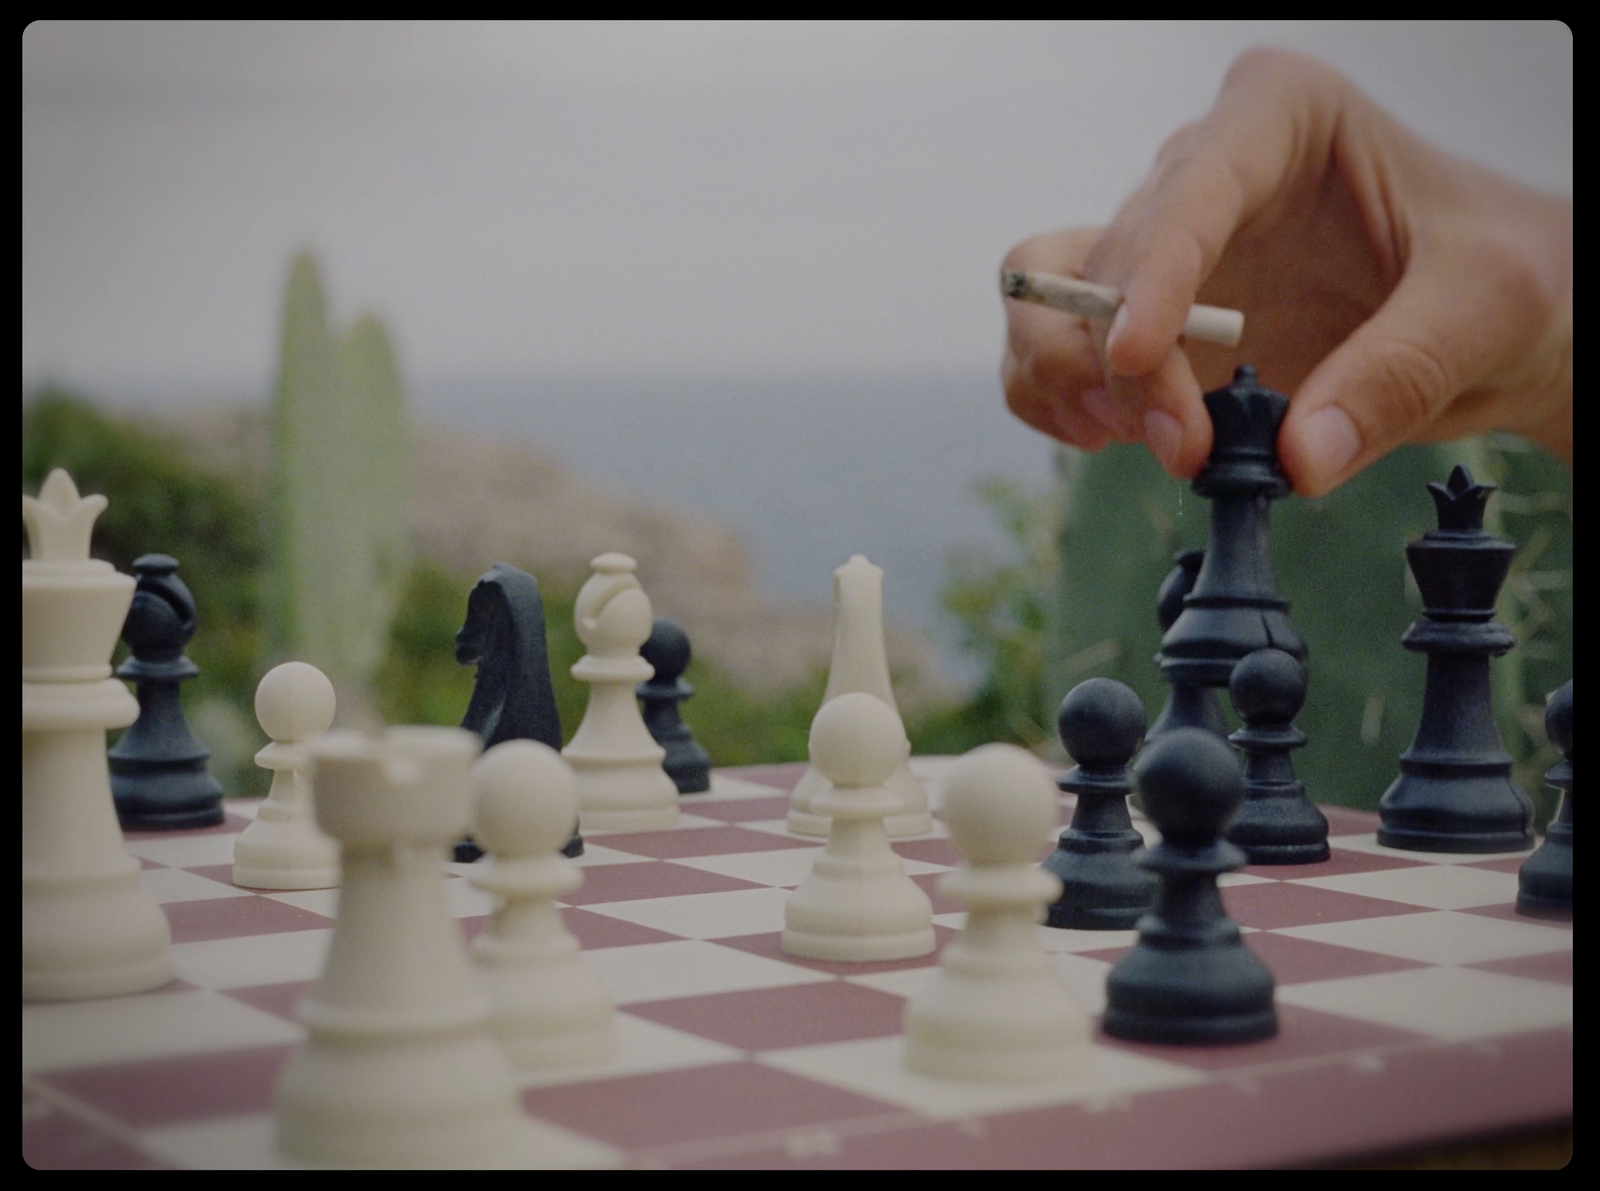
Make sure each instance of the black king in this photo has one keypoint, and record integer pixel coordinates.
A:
(1454, 792)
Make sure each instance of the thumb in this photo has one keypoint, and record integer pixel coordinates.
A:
(1388, 381)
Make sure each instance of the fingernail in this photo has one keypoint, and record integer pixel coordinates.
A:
(1104, 410)
(1164, 435)
(1118, 322)
(1333, 441)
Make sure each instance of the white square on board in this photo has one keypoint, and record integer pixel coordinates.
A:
(1439, 937)
(704, 915)
(661, 971)
(156, 1025)
(1437, 886)
(1453, 1003)
(875, 1067)
(184, 851)
(281, 958)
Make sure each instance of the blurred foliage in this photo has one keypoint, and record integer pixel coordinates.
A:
(1076, 598)
(160, 501)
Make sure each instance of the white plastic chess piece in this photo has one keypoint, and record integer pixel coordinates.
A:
(549, 1010)
(857, 903)
(283, 849)
(400, 1066)
(621, 785)
(860, 663)
(88, 930)
(994, 1009)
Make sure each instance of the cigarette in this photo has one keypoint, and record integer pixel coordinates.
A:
(1210, 324)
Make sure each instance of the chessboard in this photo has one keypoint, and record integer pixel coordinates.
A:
(1417, 1010)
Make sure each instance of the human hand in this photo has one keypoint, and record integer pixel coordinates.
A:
(1397, 293)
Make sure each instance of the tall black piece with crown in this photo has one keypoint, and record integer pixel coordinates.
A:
(512, 699)
(159, 777)
(1234, 608)
(686, 762)
(1454, 792)
(1187, 706)
(1102, 726)
(1544, 885)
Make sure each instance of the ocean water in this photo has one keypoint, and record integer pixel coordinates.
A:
(808, 470)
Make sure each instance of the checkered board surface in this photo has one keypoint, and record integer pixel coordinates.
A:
(1416, 1009)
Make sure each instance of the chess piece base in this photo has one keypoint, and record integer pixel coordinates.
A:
(974, 1022)
(94, 937)
(1285, 853)
(1545, 881)
(1101, 888)
(1470, 813)
(1214, 996)
(169, 801)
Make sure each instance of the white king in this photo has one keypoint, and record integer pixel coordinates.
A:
(87, 928)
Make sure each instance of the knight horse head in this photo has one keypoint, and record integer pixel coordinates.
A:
(504, 636)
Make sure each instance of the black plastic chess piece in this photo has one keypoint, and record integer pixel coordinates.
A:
(1234, 608)
(1188, 705)
(1544, 884)
(159, 777)
(1277, 823)
(1454, 792)
(1102, 726)
(1190, 977)
(512, 698)
(686, 762)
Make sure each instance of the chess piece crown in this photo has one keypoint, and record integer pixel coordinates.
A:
(1245, 417)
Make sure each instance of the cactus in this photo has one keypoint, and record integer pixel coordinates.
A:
(338, 519)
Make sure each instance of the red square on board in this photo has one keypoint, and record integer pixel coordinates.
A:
(634, 882)
(695, 1104)
(701, 841)
(236, 917)
(1267, 906)
(186, 1088)
(774, 1018)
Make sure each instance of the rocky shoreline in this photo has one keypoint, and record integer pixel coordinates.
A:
(477, 500)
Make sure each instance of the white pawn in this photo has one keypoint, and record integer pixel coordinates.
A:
(283, 849)
(549, 1010)
(994, 1009)
(857, 903)
(860, 662)
(621, 785)
(400, 1066)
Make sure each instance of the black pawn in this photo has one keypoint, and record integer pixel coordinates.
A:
(1102, 726)
(1188, 705)
(1454, 792)
(1277, 824)
(686, 763)
(1544, 885)
(512, 699)
(1190, 978)
(1234, 608)
(159, 778)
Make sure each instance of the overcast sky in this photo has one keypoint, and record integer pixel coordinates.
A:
(522, 199)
